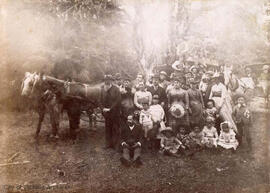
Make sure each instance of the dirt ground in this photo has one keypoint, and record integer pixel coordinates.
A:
(61, 166)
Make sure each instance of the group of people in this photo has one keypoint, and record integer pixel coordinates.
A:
(190, 109)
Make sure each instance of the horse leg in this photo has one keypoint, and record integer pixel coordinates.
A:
(41, 114)
(74, 112)
(92, 120)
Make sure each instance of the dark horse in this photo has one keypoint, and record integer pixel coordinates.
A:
(52, 95)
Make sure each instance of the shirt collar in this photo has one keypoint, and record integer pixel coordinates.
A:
(131, 127)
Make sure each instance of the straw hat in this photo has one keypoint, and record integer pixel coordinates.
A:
(177, 111)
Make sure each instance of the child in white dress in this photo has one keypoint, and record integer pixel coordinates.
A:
(227, 138)
(146, 118)
(210, 135)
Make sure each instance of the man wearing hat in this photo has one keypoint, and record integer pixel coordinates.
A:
(131, 142)
(118, 80)
(110, 105)
(163, 83)
(156, 89)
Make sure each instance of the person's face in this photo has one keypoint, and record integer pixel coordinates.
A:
(177, 84)
(194, 70)
(108, 82)
(265, 71)
(192, 85)
(209, 124)
(210, 105)
(162, 77)
(141, 87)
(248, 70)
(139, 78)
(241, 100)
(155, 81)
(168, 134)
(145, 106)
(216, 80)
(155, 101)
(126, 83)
(197, 130)
(130, 121)
(182, 130)
(188, 75)
(226, 129)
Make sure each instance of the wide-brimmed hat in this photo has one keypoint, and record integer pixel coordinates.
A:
(167, 130)
(177, 111)
(193, 67)
(178, 66)
(235, 97)
(108, 77)
(163, 73)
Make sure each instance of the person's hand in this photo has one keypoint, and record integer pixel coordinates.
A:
(189, 110)
(124, 144)
(162, 104)
(105, 110)
(169, 106)
(138, 144)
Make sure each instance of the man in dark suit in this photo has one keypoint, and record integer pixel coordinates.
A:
(110, 105)
(131, 137)
(156, 89)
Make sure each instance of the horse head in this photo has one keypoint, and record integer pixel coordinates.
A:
(29, 83)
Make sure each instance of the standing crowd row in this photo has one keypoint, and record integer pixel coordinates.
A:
(186, 111)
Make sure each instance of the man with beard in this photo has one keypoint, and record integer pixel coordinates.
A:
(110, 105)
(131, 135)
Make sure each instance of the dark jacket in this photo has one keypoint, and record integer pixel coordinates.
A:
(131, 136)
(160, 92)
(111, 99)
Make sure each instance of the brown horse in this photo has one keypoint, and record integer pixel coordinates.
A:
(43, 100)
(71, 96)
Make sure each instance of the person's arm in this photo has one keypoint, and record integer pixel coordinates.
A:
(216, 134)
(201, 97)
(169, 100)
(211, 93)
(187, 100)
(136, 101)
(141, 118)
(162, 142)
(150, 98)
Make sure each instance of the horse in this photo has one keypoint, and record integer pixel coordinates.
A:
(44, 101)
(73, 96)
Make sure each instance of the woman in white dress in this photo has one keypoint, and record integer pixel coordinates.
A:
(142, 95)
(221, 97)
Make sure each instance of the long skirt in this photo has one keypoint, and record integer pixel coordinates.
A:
(197, 112)
(226, 111)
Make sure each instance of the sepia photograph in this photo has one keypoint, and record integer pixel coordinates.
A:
(134, 96)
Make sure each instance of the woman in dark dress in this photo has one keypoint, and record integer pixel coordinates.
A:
(196, 103)
(178, 103)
